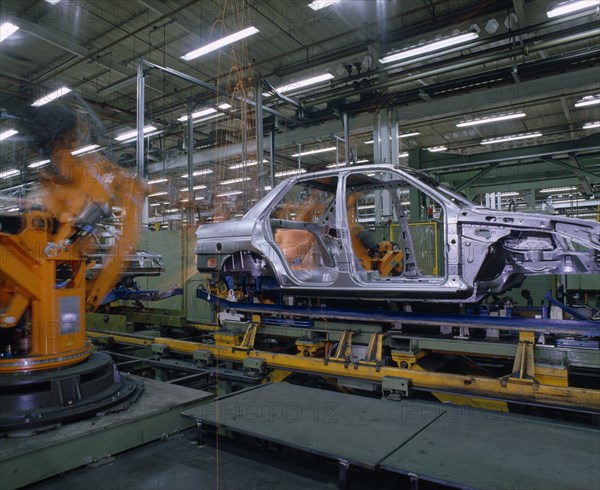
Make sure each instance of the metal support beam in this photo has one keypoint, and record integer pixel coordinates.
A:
(477, 176)
(260, 150)
(346, 125)
(576, 170)
(218, 91)
(190, 163)
(139, 146)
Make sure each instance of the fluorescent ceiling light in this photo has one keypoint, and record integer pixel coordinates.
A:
(302, 83)
(199, 198)
(162, 193)
(588, 100)
(429, 47)
(246, 164)
(53, 2)
(198, 172)
(290, 172)
(158, 181)
(51, 96)
(204, 112)
(7, 29)
(316, 5)
(314, 152)
(224, 41)
(502, 139)
(133, 133)
(196, 188)
(550, 190)
(232, 193)
(197, 114)
(407, 135)
(569, 7)
(510, 194)
(437, 148)
(404, 154)
(591, 125)
(490, 119)
(38, 164)
(343, 164)
(156, 204)
(84, 149)
(235, 181)
(7, 134)
(9, 173)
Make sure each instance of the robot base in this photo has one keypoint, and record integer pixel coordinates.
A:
(35, 401)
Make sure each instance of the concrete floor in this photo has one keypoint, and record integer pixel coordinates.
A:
(178, 463)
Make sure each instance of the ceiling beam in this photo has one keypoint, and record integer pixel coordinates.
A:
(568, 166)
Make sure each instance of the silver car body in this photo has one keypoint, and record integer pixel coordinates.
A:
(308, 237)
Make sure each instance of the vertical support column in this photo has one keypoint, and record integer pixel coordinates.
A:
(272, 158)
(190, 164)
(346, 138)
(394, 147)
(260, 152)
(139, 149)
(381, 138)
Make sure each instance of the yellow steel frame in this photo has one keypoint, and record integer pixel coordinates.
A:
(370, 369)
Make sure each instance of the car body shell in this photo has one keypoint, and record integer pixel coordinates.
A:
(484, 251)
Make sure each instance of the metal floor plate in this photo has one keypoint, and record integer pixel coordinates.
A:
(478, 449)
(360, 430)
(155, 414)
(457, 446)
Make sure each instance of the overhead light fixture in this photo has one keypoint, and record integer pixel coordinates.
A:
(510, 194)
(7, 29)
(204, 112)
(51, 96)
(429, 47)
(249, 31)
(38, 164)
(408, 135)
(196, 188)
(591, 125)
(156, 204)
(133, 134)
(435, 149)
(84, 149)
(235, 181)
(7, 174)
(7, 134)
(232, 193)
(550, 190)
(404, 154)
(198, 172)
(502, 139)
(343, 164)
(197, 114)
(288, 87)
(317, 5)
(285, 173)
(197, 198)
(158, 181)
(246, 164)
(161, 193)
(52, 2)
(490, 119)
(588, 100)
(314, 152)
(570, 7)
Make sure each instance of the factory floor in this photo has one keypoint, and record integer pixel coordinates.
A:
(178, 463)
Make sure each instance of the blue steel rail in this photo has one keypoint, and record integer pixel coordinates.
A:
(139, 295)
(544, 325)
